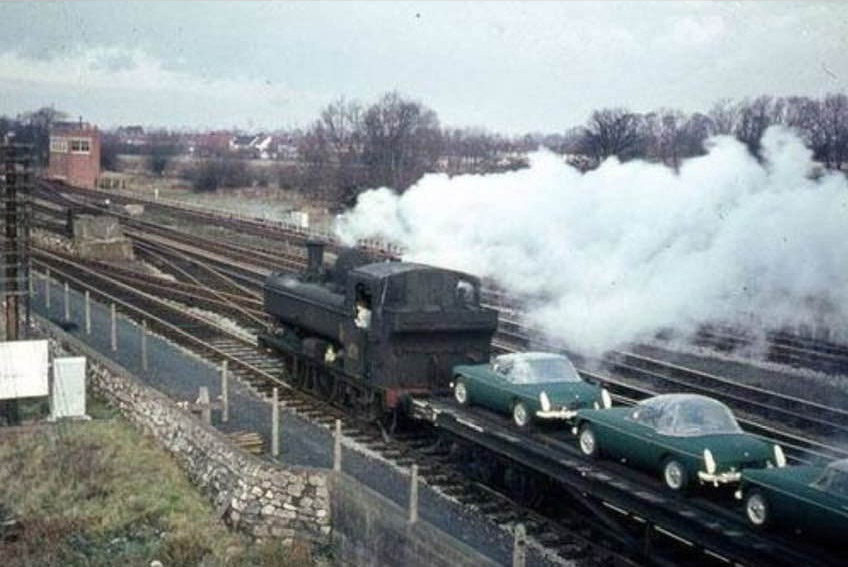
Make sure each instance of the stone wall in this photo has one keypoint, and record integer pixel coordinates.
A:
(259, 497)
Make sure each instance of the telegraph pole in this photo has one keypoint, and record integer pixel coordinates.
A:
(15, 188)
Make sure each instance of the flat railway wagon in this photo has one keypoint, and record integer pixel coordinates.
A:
(368, 335)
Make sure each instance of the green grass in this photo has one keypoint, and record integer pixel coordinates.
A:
(99, 494)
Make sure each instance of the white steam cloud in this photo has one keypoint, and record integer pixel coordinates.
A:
(618, 253)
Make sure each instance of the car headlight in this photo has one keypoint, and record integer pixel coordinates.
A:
(779, 456)
(545, 401)
(709, 461)
(606, 398)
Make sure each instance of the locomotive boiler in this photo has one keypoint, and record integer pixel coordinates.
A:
(367, 334)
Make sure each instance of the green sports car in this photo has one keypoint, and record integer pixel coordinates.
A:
(812, 498)
(684, 436)
(529, 386)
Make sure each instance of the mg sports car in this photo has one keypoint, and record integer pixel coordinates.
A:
(686, 437)
(529, 386)
(813, 498)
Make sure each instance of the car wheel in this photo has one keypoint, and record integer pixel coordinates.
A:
(675, 475)
(757, 509)
(520, 414)
(460, 392)
(588, 442)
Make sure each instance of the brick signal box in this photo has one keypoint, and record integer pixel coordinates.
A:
(75, 154)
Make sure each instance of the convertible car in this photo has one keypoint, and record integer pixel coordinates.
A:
(685, 437)
(812, 498)
(529, 386)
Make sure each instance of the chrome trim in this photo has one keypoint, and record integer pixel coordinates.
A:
(720, 478)
(556, 414)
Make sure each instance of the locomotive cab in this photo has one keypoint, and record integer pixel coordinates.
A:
(394, 328)
(421, 322)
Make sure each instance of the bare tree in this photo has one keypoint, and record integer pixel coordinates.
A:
(835, 125)
(663, 133)
(343, 132)
(34, 128)
(402, 141)
(695, 131)
(612, 132)
(755, 117)
(314, 150)
(724, 117)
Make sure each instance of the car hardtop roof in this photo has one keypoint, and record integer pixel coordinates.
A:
(513, 356)
(380, 270)
(677, 399)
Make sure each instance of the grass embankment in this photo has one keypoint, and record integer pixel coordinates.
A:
(99, 493)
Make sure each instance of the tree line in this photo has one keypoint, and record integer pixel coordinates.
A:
(392, 143)
(395, 140)
(668, 136)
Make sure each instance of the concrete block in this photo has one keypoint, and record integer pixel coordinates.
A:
(89, 227)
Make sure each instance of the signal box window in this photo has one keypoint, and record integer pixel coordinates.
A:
(80, 146)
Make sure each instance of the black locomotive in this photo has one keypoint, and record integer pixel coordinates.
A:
(368, 334)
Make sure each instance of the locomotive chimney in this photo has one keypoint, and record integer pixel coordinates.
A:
(315, 266)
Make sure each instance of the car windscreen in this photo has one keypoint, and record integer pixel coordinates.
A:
(696, 416)
(543, 371)
(834, 481)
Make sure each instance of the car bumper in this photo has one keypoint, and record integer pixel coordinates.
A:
(556, 414)
(720, 478)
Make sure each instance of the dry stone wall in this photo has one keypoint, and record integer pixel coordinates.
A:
(259, 497)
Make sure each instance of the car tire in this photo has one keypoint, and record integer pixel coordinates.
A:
(520, 414)
(757, 509)
(460, 392)
(587, 441)
(674, 475)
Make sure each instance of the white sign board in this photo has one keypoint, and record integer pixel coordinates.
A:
(23, 369)
(67, 398)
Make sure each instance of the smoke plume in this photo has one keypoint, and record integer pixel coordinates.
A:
(613, 255)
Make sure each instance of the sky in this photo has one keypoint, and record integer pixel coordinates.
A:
(508, 67)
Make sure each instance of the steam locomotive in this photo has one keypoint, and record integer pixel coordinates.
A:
(368, 334)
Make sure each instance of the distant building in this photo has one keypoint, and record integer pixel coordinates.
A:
(210, 144)
(133, 136)
(74, 153)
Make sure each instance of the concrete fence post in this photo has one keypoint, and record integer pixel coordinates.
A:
(47, 288)
(66, 297)
(413, 495)
(87, 312)
(143, 332)
(205, 405)
(275, 422)
(519, 548)
(114, 328)
(337, 447)
(225, 393)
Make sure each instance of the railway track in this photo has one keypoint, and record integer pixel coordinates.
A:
(781, 347)
(439, 466)
(625, 392)
(797, 423)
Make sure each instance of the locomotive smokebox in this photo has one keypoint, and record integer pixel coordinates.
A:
(315, 266)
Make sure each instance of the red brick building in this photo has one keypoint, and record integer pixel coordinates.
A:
(74, 153)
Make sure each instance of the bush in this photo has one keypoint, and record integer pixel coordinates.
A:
(217, 173)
